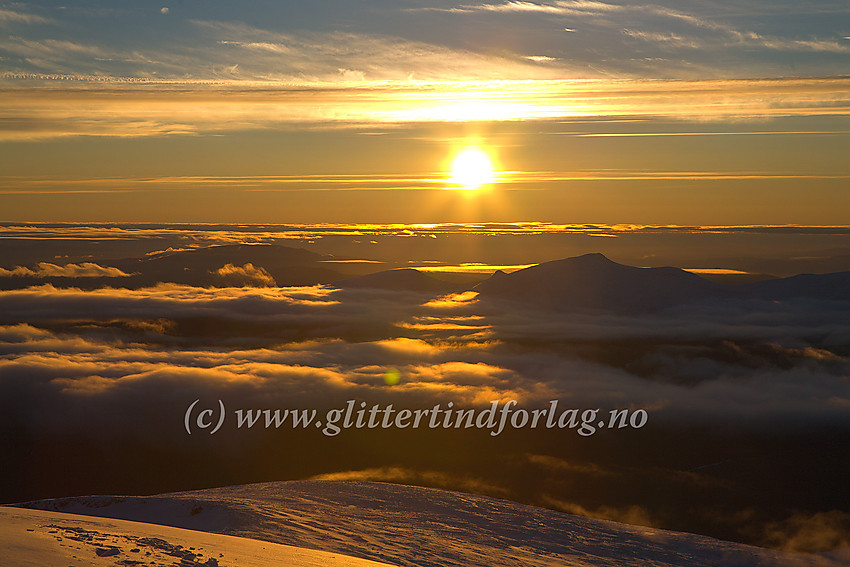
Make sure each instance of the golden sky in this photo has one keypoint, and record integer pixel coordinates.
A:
(585, 111)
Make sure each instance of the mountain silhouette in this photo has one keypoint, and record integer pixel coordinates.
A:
(833, 287)
(404, 279)
(592, 282)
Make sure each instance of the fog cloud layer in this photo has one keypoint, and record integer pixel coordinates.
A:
(101, 379)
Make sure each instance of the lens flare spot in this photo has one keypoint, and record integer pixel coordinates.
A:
(392, 377)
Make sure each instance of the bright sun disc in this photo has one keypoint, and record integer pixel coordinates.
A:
(471, 169)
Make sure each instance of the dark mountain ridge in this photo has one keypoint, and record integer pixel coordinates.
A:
(592, 282)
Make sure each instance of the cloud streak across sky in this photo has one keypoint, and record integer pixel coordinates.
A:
(35, 114)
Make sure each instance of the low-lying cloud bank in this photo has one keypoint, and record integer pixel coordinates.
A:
(756, 360)
(48, 270)
(747, 390)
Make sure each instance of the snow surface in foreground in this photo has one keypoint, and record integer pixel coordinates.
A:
(42, 539)
(424, 527)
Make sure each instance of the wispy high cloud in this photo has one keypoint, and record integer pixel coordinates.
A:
(34, 114)
(12, 16)
(661, 39)
(346, 57)
(236, 52)
(677, 38)
(558, 7)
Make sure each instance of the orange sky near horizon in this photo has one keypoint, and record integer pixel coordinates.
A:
(364, 126)
(755, 152)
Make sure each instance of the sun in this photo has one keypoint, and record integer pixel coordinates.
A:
(472, 169)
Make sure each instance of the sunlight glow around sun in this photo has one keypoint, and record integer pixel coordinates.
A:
(472, 169)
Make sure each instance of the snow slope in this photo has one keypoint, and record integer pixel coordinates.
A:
(424, 527)
(45, 539)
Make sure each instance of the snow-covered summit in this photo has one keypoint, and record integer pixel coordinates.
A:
(423, 527)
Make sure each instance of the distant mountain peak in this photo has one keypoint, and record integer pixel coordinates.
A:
(593, 256)
(399, 279)
(596, 283)
(594, 260)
